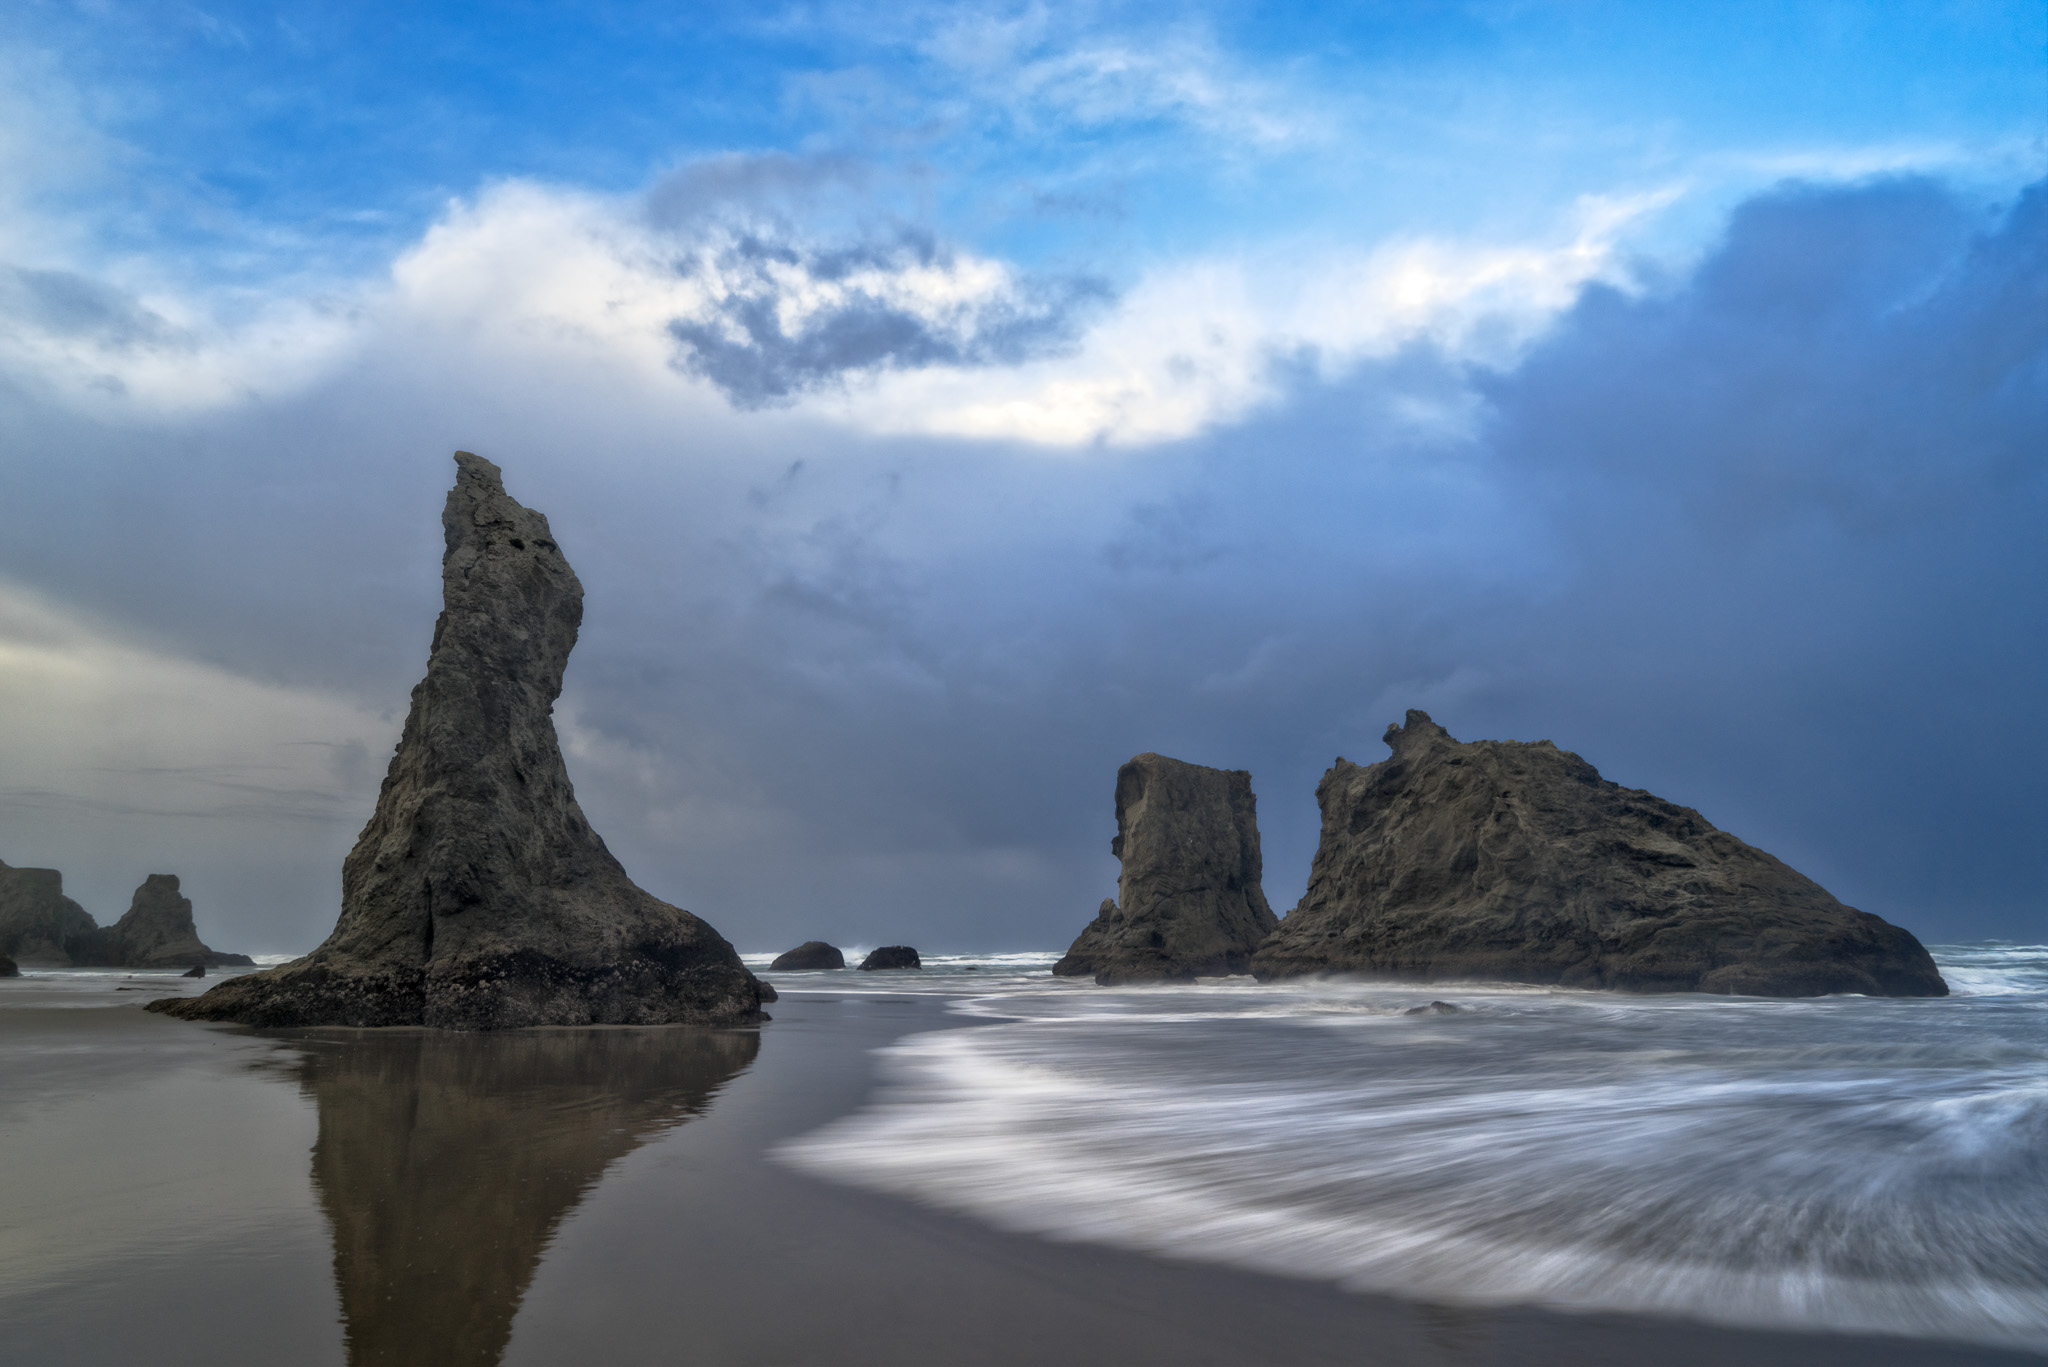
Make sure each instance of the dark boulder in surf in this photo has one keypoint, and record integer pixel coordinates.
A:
(810, 954)
(1188, 900)
(892, 956)
(478, 897)
(196, 971)
(9, 968)
(1517, 862)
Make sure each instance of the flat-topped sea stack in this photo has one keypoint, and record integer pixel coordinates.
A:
(156, 932)
(478, 897)
(39, 925)
(1517, 862)
(1188, 903)
(811, 954)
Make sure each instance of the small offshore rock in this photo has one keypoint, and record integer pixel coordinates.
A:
(768, 993)
(808, 955)
(1433, 1009)
(892, 956)
(1517, 862)
(1188, 902)
(9, 968)
(196, 971)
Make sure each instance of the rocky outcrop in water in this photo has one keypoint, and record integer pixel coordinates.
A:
(893, 956)
(39, 925)
(156, 932)
(811, 954)
(1516, 861)
(478, 897)
(1188, 902)
(9, 968)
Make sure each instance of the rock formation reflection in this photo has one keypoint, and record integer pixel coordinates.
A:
(445, 1162)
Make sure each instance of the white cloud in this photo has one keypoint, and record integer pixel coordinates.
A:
(888, 336)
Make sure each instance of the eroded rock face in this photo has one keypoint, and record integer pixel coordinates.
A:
(811, 954)
(1516, 861)
(1188, 902)
(893, 956)
(155, 932)
(478, 897)
(39, 925)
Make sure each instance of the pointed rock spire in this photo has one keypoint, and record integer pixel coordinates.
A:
(478, 897)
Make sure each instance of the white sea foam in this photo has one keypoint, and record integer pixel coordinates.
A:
(1844, 1163)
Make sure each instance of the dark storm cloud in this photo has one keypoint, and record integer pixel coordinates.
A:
(745, 349)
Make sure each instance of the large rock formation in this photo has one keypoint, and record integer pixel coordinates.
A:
(1516, 861)
(811, 954)
(39, 925)
(478, 897)
(1188, 901)
(156, 932)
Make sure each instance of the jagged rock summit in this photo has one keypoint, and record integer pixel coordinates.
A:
(478, 897)
(1188, 900)
(1516, 861)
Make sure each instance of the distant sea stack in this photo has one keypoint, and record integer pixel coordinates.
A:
(811, 954)
(892, 956)
(156, 932)
(1516, 861)
(39, 925)
(478, 897)
(1188, 902)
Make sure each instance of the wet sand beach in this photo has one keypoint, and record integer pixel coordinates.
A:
(189, 1194)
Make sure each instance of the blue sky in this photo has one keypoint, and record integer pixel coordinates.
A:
(942, 404)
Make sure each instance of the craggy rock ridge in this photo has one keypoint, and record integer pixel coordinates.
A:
(39, 925)
(1516, 861)
(892, 956)
(808, 955)
(1191, 903)
(156, 932)
(42, 926)
(478, 897)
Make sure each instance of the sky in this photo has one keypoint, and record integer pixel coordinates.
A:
(942, 404)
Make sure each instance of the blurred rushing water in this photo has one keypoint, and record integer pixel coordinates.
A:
(1839, 1163)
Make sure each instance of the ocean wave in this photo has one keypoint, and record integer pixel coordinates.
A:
(1840, 1163)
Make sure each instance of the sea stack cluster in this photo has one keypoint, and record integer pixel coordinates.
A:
(1492, 860)
(478, 897)
(42, 927)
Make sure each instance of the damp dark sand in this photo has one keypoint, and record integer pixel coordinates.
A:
(177, 1194)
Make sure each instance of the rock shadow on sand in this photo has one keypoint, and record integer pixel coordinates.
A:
(446, 1162)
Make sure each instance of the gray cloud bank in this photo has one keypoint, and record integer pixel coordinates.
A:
(1766, 539)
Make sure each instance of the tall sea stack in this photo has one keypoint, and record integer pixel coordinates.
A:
(478, 897)
(1516, 861)
(1188, 900)
(39, 925)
